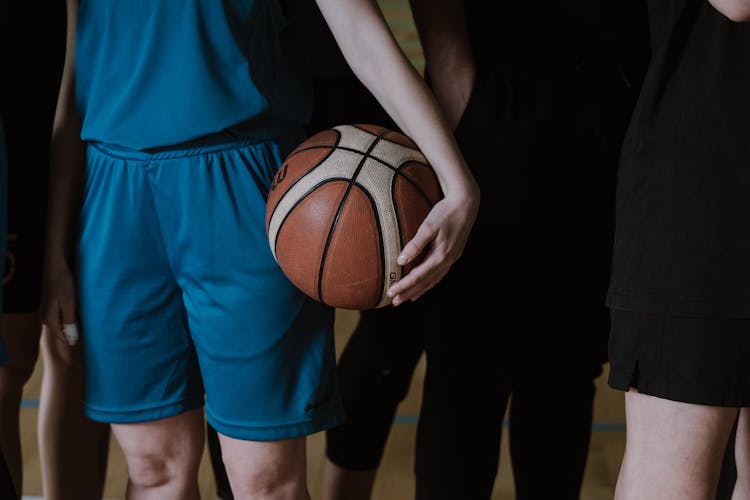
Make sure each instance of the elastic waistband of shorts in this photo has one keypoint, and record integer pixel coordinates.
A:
(215, 143)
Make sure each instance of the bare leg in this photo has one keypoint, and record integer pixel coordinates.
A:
(163, 456)
(21, 336)
(345, 484)
(73, 449)
(674, 450)
(272, 470)
(742, 456)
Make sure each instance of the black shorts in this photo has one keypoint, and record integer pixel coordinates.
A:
(702, 361)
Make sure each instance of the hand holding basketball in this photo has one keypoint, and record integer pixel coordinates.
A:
(443, 236)
(343, 207)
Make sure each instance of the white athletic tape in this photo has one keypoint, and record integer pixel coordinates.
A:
(70, 330)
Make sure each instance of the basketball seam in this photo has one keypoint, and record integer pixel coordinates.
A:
(323, 160)
(396, 212)
(381, 243)
(413, 183)
(301, 199)
(338, 215)
(395, 206)
(357, 151)
(382, 137)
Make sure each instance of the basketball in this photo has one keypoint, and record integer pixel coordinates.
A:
(340, 209)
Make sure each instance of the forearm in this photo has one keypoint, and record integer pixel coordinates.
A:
(736, 10)
(66, 184)
(372, 52)
(67, 160)
(444, 33)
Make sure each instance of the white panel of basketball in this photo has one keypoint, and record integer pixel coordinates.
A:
(341, 163)
(396, 154)
(377, 180)
(354, 138)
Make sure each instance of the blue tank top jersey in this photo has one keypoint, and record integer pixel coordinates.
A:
(153, 74)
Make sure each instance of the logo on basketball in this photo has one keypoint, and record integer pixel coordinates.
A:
(279, 177)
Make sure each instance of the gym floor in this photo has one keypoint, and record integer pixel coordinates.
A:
(395, 480)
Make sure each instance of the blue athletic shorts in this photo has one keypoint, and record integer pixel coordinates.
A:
(178, 291)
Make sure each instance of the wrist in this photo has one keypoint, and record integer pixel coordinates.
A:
(55, 259)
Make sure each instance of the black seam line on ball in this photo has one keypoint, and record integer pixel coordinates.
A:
(381, 245)
(395, 211)
(303, 198)
(383, 136)
(352, 150)
(338, 213)
(323, 160)
(416, 186)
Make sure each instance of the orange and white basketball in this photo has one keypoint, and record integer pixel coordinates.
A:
(342, 206)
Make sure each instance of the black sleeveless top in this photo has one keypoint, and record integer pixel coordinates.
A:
(682, 244)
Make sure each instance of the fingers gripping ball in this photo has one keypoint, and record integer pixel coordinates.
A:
(341, 208)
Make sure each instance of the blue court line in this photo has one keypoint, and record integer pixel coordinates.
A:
(596, 426)
(413, 419)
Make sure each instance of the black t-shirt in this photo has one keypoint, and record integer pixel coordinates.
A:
(575, 27)
(683, 212)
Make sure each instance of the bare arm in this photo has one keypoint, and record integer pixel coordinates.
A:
(736, 10)
(443, 30)
(66, 183)
(372, 52)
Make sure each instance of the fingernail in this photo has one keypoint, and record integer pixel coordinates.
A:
(70, 330)
(396, 302)
(402, 259)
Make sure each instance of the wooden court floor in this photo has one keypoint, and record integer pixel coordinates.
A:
(395, 480)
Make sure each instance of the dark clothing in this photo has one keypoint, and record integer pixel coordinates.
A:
(7, 490)
(615, 28)
(542, 134)
(32, 68)
(555, 128)
(703, 361)
(683, 206)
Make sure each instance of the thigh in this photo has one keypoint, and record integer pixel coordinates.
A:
(266, 351)
(674, 449)
(253, 465)
(140, 361)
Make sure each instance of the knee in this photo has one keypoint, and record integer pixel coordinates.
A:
(149, 471)
(153, 470)
(267, 483)
(13, 376)
(17, 372)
